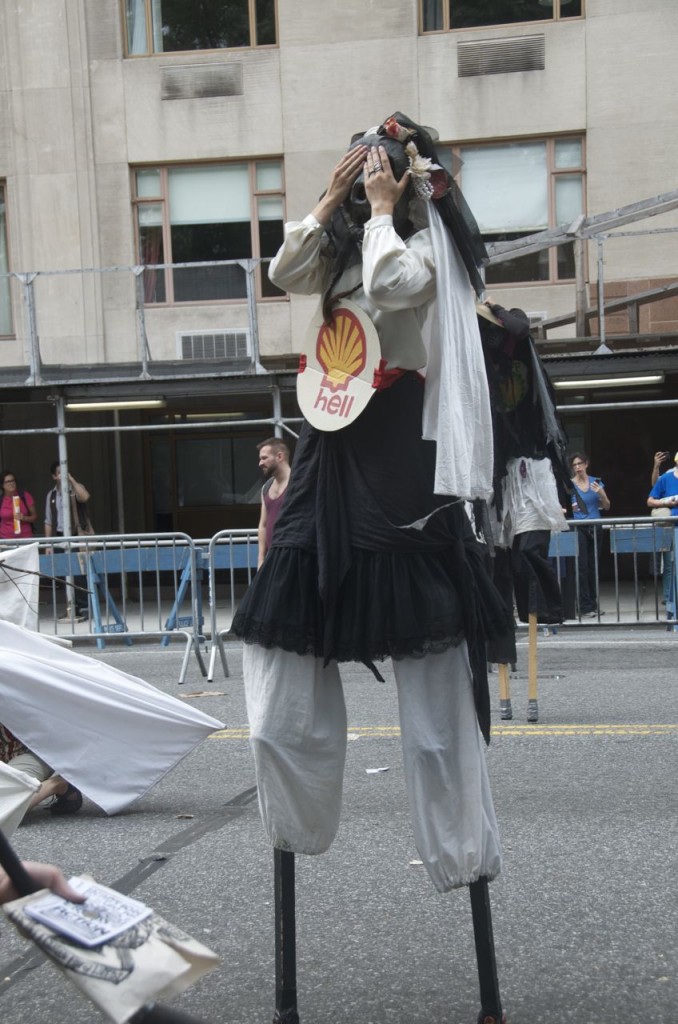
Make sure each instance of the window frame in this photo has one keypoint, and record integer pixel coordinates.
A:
(12, 325)
(553, 173)
(556, 17)
(150, 52)
(163, 199)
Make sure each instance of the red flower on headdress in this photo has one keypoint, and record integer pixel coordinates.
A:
(439, 183)
(397, 131)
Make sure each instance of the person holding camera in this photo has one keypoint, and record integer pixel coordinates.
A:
(54, 527)
(664, 493)
(589, 499)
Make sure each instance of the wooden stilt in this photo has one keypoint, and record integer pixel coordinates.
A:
(532, 706)
(505, 709)
(490, 1001)
(285, 940)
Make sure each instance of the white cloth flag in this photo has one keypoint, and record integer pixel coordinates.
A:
(20, 585)
(111, 734)
(457, 413)
(16, 792)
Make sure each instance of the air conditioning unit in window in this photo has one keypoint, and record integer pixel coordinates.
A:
(231, 345)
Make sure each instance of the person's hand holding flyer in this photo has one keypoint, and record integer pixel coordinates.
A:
(119, 952)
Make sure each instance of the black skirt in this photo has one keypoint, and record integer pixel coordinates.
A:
(366, 562)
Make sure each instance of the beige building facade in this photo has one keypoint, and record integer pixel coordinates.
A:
(132, 136)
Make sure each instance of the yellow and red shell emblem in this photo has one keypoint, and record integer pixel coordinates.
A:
(341, 349)
(513, 388)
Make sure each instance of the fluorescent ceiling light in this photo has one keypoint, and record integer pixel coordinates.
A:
(211, 415)
(611, 382)
(140, 403)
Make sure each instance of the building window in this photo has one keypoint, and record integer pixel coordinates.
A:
(443, 15)
(205, 212)
(519, 188)
(203, 484)
(216, 471)
(5, 291)
(168, 26)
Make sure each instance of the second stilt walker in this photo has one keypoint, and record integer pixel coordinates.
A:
(373, 555)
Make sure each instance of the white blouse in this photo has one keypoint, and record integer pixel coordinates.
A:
(396, 286)
(396, 282)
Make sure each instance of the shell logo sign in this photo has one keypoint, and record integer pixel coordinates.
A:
(336, 374)
(341, 350)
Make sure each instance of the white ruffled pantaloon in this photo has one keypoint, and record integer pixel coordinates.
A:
(297, 719)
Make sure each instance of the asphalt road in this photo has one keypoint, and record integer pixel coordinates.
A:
(584, 912)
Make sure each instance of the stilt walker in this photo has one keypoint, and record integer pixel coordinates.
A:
(530, 477)
(373, 555)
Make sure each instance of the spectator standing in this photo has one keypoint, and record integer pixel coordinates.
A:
(661, 562)
(659, 458)
(17, 508)
(664, 495)
(588, 501)
(54, 527)
(274, 462)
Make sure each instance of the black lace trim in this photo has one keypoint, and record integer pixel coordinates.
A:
(304, 641)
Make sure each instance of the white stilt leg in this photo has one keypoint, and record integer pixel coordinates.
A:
(297, 719)
(451, 804)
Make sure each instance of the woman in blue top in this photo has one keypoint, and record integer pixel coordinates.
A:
(664, 494)
(588, 501)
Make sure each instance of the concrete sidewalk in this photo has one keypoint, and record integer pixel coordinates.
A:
(584, 912)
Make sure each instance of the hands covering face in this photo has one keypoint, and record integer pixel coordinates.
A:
(381, 187)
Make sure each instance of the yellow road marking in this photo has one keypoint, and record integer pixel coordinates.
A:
(504, 729)
(584, 730)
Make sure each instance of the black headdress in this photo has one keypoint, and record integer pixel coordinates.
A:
(446, 194)
(408, 145)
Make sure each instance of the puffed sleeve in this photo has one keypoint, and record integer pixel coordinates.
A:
(397, 275)
(301, 264)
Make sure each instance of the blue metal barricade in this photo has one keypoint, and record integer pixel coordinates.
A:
(102, 572)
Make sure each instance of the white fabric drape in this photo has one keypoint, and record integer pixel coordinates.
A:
(111, 734)
(19, 585)
(456, 400)
(530, 500)
(16, 792)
